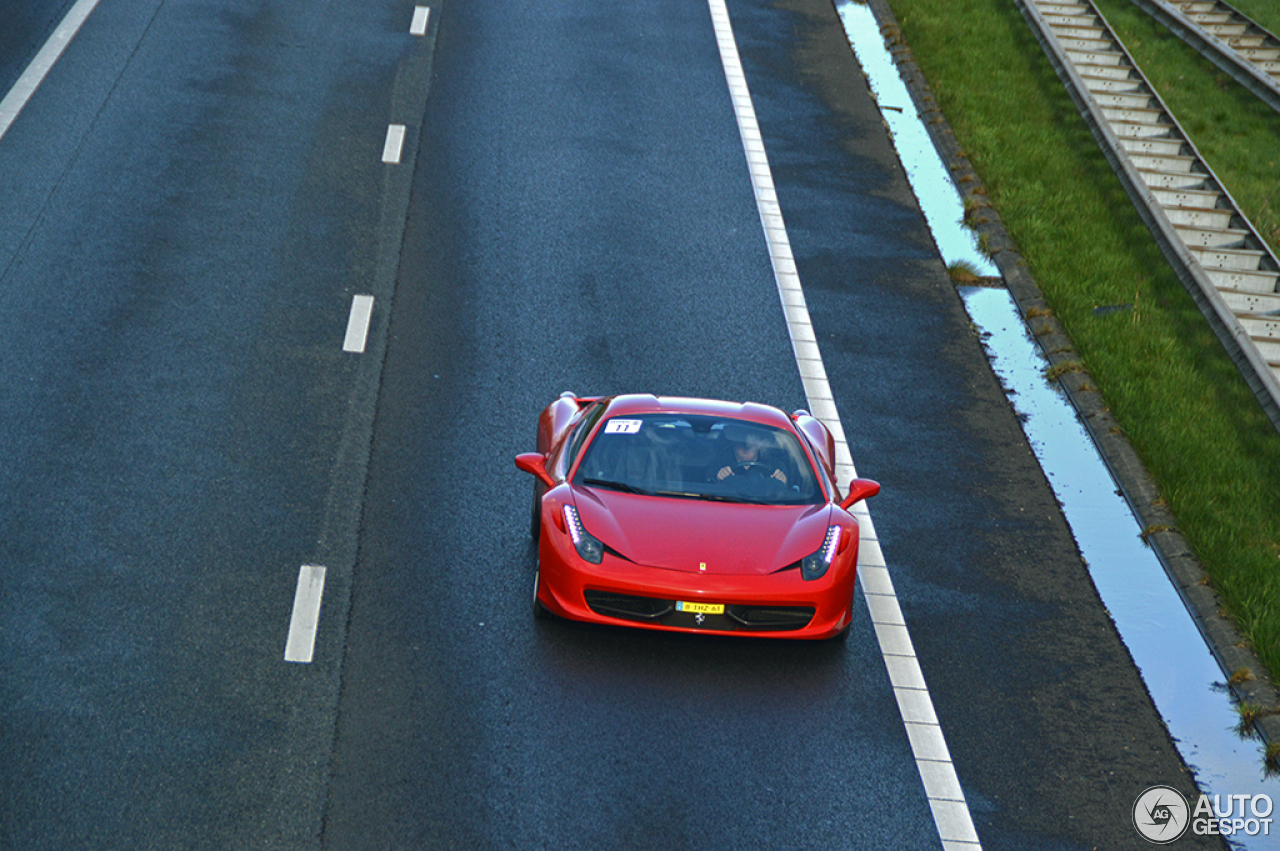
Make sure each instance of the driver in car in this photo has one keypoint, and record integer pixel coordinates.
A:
(748, 449)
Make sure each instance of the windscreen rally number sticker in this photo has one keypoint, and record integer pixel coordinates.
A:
(623, 426)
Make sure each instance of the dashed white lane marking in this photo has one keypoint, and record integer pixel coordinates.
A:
(35, 73)
(394, 144)
(928, 745)
(301, 644)
(358, 323)
(419, 24)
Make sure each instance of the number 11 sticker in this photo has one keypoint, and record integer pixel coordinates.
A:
(622, 426)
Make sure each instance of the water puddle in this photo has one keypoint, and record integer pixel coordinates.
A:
(1184, 679)
(930, 178)
(1182, 676)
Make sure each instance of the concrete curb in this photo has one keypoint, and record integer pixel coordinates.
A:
(1180, 564)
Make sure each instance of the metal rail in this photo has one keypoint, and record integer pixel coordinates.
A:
(1226, 38)
(1217, 254)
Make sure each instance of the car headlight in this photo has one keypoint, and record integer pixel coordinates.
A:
(815, 566)
(587, 545)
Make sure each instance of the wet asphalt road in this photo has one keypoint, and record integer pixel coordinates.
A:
(189, 206)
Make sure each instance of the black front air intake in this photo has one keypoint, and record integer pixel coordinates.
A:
(736, 617)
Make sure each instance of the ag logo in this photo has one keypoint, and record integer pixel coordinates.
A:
(1161, 815)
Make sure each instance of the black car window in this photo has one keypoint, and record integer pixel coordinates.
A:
(699, 456)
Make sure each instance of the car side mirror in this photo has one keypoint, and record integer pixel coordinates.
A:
(535, 464)
(860, 489)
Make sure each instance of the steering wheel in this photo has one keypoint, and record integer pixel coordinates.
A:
(753, 469)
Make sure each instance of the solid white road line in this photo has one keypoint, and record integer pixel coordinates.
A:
(31, 78)
(358, 323)
(419, 24)
(942, 787)
(301, 644)
(395, 142)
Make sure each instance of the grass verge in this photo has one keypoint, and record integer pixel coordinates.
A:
(1180, 401)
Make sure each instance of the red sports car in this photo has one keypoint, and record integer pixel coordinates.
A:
(693, 516)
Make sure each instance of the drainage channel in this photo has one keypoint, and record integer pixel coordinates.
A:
(1181, 674)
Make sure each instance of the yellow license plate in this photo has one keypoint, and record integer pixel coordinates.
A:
(700, 608)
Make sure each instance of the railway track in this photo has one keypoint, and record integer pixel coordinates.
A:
(1218, 254)
(1229, 39)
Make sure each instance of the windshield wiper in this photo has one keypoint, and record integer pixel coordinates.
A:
(627, 488)
(617, 486)
(717, 497)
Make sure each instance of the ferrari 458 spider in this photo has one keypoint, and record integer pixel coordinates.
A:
(692, 515)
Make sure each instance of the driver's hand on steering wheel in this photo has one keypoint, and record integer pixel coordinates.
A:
(727, 471)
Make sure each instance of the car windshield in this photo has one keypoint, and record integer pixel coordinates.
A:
(699, 456)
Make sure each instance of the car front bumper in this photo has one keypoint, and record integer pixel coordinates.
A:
(622, 593)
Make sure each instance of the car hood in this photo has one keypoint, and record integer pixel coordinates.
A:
(684, 534)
